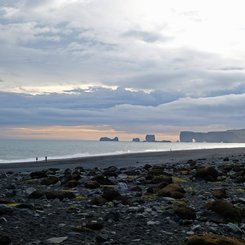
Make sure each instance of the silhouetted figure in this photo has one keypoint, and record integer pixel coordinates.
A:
(46, 159)
(36, 159)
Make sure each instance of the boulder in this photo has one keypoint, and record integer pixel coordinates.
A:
(219, 193)
(72, 183)
(60, 195)
(207, 173)
(173, 190)
(36, 194)
(185, 212)
(98, 201)
(39, 174)
(110, 194)
(225, 209)
(103, 180)
(92, 184)
(50, 180)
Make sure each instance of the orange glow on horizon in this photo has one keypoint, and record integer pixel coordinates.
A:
(79, 133)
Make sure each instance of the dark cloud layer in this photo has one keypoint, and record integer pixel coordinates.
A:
(135, 112)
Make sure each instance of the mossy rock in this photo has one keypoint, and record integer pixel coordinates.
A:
(176, 179)
(173, 190)
(210, 239)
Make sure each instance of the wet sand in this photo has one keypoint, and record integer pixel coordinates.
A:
(126, 160)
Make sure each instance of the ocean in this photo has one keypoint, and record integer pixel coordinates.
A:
(28, 150)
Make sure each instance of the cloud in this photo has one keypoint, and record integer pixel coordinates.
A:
(121, 110)
(146, 36)
(173, 64)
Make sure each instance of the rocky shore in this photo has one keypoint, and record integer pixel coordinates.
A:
(195, 202)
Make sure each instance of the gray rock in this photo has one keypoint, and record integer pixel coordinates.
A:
(233, 228)
(56, 240)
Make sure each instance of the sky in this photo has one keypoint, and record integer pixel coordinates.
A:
(82, 69)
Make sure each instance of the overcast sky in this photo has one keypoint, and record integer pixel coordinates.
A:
(120, 67)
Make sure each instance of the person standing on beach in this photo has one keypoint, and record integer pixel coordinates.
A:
(36, 159)
(46, 159)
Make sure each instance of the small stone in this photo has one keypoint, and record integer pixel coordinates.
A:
(136, 240)
(122, 187)
(96, 226)
(101, 238)
(234, 228)
(153, 222)
(57, 240)
(5, 210)
(29, 190)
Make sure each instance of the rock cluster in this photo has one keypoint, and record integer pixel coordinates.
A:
(194, 202)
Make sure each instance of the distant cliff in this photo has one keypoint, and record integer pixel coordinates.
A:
(109, 139)
(229, 136)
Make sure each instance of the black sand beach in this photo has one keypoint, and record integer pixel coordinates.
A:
(192, 197)
(126, 160)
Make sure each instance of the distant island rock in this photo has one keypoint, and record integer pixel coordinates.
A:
(150, 138)
(229, 136)
(109, 139)
(136, 140)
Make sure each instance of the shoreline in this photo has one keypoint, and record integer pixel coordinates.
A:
(125, 159)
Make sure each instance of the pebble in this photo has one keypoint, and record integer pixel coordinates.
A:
(153, 222)
(57, 240)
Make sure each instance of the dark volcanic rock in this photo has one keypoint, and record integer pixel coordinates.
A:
(226, 210)
(210, 239)
(98, 200)
(172, 190)
(163, 179)
(51, 180)
(110, 194)
(92, 184)
(103, 180)
(207, 173)
(60, 195)
(36, 194)
(219, 193)
(111, 171)
(5, 209)
(185, 212)
(39, 174)
(72, 183)
(96, 226)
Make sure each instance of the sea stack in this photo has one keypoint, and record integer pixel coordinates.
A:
(150, 138)
(136, 140)
(109, 139)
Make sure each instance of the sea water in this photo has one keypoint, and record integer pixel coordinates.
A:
(28, 150)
